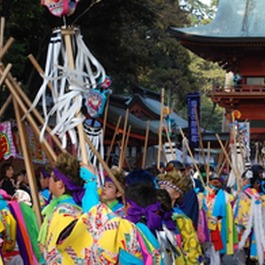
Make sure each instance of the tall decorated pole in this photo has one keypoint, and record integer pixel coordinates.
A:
(79, 88)
(239, 147)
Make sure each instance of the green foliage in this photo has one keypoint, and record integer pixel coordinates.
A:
(208, 74)
(130, 38)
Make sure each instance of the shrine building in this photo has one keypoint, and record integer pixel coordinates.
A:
(235, 39)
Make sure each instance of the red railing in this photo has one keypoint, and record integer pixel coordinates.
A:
(240, 89)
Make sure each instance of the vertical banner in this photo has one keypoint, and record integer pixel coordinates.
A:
(7, 147)
(35, 148)
(193, 105)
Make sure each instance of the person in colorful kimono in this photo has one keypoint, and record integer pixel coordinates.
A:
(248, 212)
(44, 193)
(91, 235)
(143, 209)
(221, 225)
(189, 203)
(176, 186)
(67, 188)
(169, 237)
(110, 194)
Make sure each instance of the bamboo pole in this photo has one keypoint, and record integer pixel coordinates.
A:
(208, 162)
(2, 31)
(67, 33)
(36, 113)
(221, 156)
(160, 128)
(200, 137)
(105, 117)
(164, 154)
(170, 142)
(38, 68)
(235, 143)
(104, 164)
(228, 160)
(242, 156)
(125, 144)
(146, 143)
(113, 138)
(48, 150)
(5, 105)
(5, 48)
(28, 164)
(191, 155)
(123, 139)
(219, 171)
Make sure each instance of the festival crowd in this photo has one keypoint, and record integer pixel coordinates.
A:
(175, 215)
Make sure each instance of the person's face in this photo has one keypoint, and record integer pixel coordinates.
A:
(174, 195)
(181, 171)
(109, 192)
(10, 172)
(244, 182)
(20, 178)
(26, 179)
(56, 186)
(44, 182)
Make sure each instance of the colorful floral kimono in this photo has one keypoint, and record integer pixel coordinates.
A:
(221, 222)
(100, 237)
(64, 212)
(250, 223)
(96, 236)
(44, 197)
(202, 228)
(117, 208)
(190, 243)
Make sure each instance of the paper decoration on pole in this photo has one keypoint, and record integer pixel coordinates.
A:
(70, 86)
(240, 153)
(60, 8)
(193, 105)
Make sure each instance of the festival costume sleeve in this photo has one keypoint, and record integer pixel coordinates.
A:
(32, 228)
(9, 225)
(23, 240)
(98, 236)
(91, 196)
(62, 216)
(190, 243)
(149, 245)
(243, 208)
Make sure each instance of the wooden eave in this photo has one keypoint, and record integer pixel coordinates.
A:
(228, 99)
(224, 50)
(137, 100)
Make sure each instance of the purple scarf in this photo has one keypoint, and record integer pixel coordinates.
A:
(167, 218)
(77, 191)
(151, 214)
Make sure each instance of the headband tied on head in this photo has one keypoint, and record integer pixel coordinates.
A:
(135, 214)
(107, 178)
(77, 191)
(44, 173)
(169, 184)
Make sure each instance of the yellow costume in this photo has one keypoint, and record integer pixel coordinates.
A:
(63, 215)
(98, 237)
(190, 243)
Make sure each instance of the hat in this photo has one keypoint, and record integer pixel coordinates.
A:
(214, 177)
(248, 174)
(174, 164)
